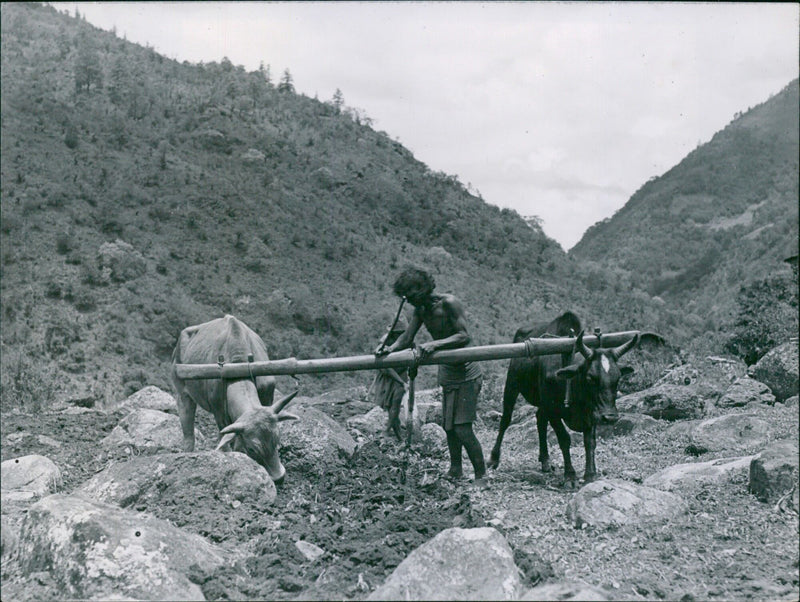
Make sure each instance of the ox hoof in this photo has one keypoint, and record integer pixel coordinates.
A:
(571, 483)
(588, 478)
(546, 466)
(493, 463)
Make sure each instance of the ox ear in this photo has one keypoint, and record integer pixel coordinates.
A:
(226, 438)
(625, 371)
(287, 416)
(568, 372)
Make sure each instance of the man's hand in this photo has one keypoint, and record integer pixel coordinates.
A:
(427, 348)
(381, 350)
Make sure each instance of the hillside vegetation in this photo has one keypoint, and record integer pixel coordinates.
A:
(708, 238)
(236, 195)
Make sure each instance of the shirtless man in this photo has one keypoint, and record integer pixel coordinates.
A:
(443, 317)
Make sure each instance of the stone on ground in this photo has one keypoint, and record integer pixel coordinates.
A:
(173, 479)
(743, 391)
(665, 401)
(778, 370)
(628, 424)
(457, 564)
(715, 471)
(150, 398)
(148, 431)
(29, 477)
(731, 432)
(616, 502)
(315, 443)
(8, 536)
(774, 471)
(565, 590)
(371, 423)
(99, 551)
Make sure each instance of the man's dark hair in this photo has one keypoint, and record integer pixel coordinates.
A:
(413, 281)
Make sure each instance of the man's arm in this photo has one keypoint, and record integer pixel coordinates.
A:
(405, 339)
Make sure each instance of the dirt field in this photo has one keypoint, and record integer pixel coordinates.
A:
(369, 517)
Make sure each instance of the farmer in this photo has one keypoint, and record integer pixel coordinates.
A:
(390, 384)
(443, 317)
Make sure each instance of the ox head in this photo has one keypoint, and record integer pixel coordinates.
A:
(597, 378)
(256, 433)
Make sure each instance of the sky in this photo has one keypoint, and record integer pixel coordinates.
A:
(556, 109)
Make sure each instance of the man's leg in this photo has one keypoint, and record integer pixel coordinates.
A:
(470, 442)
(454, 447)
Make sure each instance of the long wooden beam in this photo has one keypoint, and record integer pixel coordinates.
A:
(399, 359)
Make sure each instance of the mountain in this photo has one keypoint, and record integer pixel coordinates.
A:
(142, 195)
(720, 220)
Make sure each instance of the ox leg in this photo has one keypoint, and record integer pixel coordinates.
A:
(589, 445)
(570, 478)
(510, 394)
(186, 412)
(544, 453)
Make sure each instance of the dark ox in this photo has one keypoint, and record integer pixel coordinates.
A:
(243, 408)
(591, 376)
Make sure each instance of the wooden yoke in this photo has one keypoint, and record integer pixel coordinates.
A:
(399, 359)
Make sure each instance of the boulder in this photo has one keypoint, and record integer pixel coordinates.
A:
(779, 371)
(371, 423)
(615, 502)
(565, 590)
(120, 262)
(715, 471)
(628, 424)
(148, 431)
(314, 444)
(431, 440)
(457, 564)
(665, 401)
(792, 401)
(774, 471)
(148, 398)
(309, 550)
(172, 479)
(743, 391)
(8, 536)
(98, 551)
(28, 477)
(731, 432)
(711, 376)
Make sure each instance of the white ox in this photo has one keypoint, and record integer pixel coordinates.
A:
(242, 407)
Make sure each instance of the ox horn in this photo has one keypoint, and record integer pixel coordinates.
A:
(230, 431)
(618, 352)
(278, 406)
(582, 348)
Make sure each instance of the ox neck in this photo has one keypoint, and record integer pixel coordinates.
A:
(241, 395)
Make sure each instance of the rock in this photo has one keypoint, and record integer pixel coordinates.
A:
(779, 371)
(564, 590)
(710, 376)
(149, 398)
(120, 262)
(791, 402)
(457, 564)
(774, 471)
(743, 391)
(48, 441)
(99, 551)
(253, 155)
(371, 423)
(714, 471)
(615, 502)
(731, 432)
(315, 443)
(148, 431)
(628, 424)
(431, 439)
(8, 536)
(172, 479)
(213, 140)
(29, 477)
(665, 401)
(309, 550)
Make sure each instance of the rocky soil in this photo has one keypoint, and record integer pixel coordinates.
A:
(338, 529)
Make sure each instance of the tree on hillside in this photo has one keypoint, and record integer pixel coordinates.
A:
(88, 71)
(286, 84)
(338, 100)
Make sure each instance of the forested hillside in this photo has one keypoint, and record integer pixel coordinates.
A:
(708, 238)
(141, 195)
